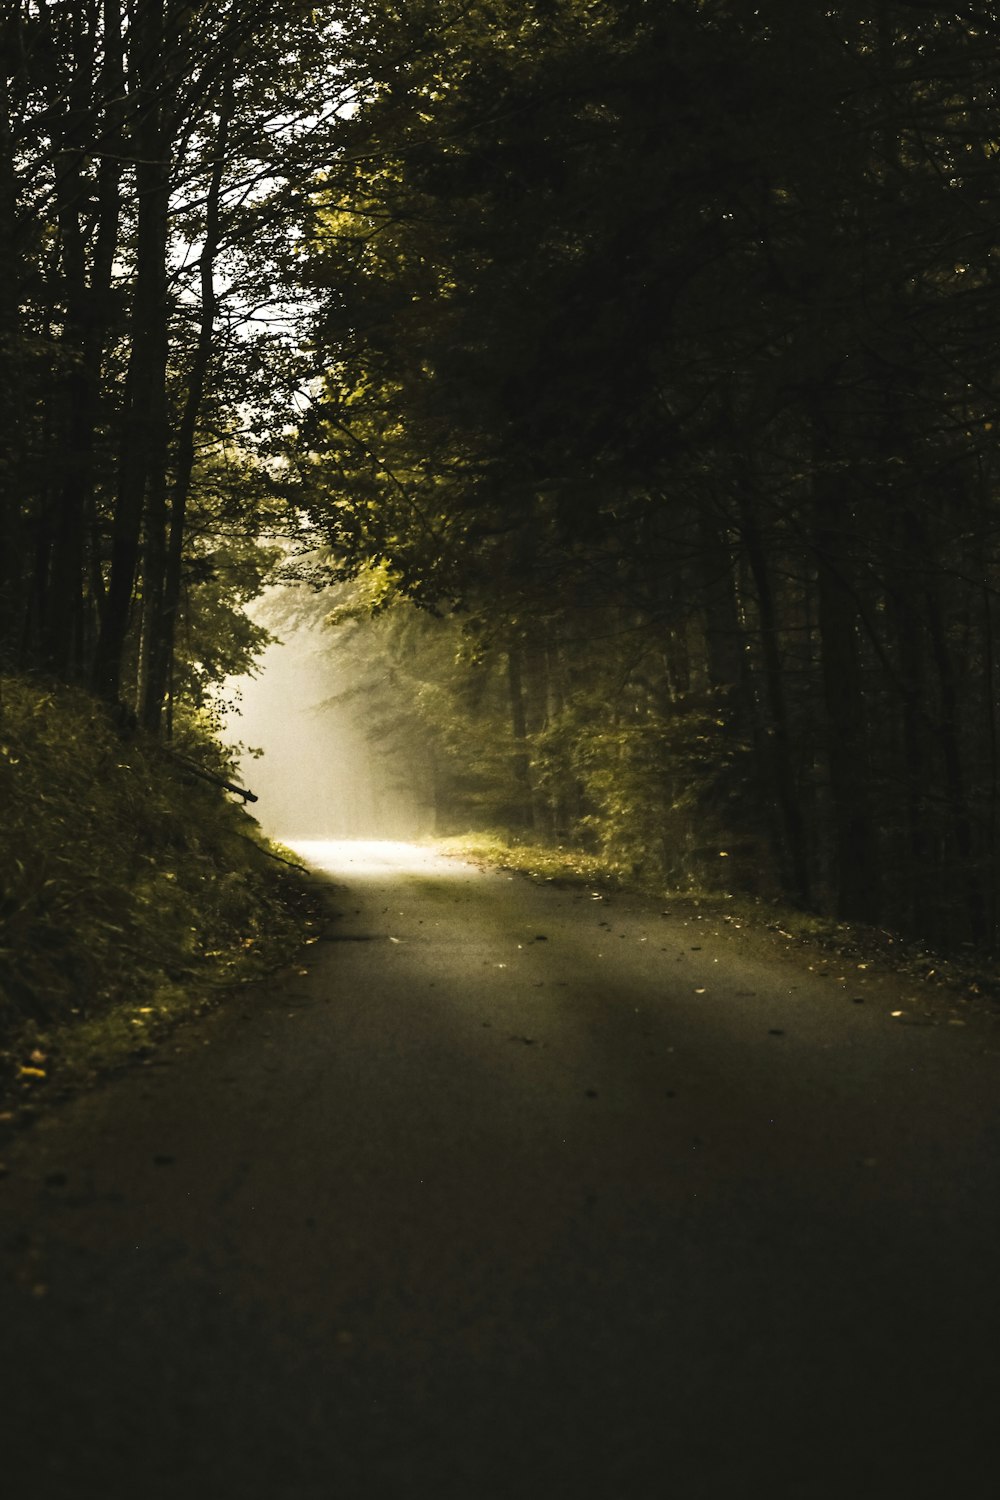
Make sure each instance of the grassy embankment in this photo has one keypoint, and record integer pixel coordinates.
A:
(132, 893)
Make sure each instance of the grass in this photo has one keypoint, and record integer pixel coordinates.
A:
(570, 866)
(132, 893)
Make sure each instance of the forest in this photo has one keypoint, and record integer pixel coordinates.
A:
(619, 376)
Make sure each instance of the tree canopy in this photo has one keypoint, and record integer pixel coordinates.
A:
(660, 341)
(655, 340)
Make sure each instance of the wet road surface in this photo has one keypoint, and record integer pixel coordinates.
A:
(513, 1194)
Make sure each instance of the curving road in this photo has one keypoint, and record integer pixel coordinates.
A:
(511, 1193)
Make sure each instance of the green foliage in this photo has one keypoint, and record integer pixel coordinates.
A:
(675, 322)
(129, 886)
(660, 794)
(434, 707)
(655, 784)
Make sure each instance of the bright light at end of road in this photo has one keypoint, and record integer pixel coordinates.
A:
(373, 857)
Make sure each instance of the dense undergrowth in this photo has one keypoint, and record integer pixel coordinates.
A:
(131, 890)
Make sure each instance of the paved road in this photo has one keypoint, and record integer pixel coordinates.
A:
(514, 1194)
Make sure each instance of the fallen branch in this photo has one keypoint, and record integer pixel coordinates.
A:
(291, 863)
(210, 776)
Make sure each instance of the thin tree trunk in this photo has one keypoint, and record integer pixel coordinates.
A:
(961, 818)
(846, 737)
(162, 639)
(724, 636)
(519, 729)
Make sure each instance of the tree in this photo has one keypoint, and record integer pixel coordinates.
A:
(674, 320)
(156, 164)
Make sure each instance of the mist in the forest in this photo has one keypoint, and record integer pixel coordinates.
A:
(319, 776)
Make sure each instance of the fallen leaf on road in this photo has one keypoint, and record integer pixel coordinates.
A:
(700, 991)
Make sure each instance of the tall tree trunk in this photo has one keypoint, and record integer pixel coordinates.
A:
(63, 619)
(12, 539)
(144, 432)
(916, 770)
(781, 762)
(846, 737)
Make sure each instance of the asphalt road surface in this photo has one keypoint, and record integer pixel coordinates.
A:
(511, 1193)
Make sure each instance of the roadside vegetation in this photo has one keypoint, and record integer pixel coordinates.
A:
(918, 985)
(133, 892)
